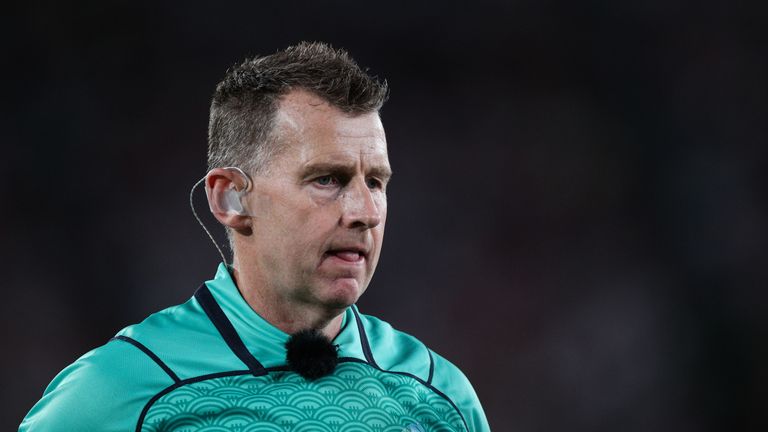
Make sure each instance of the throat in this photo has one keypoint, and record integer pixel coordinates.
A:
(288, 314)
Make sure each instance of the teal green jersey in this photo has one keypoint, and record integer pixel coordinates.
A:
(213, 364)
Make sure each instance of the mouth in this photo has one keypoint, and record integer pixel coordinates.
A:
(352, 254)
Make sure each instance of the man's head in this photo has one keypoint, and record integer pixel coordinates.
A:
(304, 124)
(241, 124)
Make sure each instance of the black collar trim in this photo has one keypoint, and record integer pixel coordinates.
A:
(227, 330)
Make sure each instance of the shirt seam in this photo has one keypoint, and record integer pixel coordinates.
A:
(149, 354)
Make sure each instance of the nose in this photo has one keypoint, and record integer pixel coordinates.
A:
(360, 209)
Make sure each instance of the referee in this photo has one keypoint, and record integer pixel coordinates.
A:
(298, 173)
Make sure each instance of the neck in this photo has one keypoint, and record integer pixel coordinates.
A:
(284, 313)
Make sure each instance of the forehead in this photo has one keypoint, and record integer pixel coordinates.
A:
(308, 129)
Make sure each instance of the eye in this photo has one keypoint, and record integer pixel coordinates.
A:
(373, 183)
(327, 180)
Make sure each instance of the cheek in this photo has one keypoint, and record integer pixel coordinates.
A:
(280, 230)
(320, 197)
(313, 228)
(381, 205)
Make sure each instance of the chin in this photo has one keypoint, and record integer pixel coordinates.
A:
(343, 293)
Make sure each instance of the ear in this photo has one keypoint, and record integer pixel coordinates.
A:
(226, 189)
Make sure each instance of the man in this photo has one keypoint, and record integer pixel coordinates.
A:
(298, 176)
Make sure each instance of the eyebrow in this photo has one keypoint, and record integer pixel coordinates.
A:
(380, 171)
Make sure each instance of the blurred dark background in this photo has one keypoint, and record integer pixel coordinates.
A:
(577, 219)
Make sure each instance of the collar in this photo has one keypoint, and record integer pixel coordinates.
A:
(262, 339)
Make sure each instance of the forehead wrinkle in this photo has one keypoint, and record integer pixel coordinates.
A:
(377, 134)
(350, 165)
(292, 131)
(321, 134)
(329, 122)
(349, 157)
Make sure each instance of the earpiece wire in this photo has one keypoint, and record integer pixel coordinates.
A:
(192, 206)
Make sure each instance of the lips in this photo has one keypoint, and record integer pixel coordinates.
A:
(350, 254)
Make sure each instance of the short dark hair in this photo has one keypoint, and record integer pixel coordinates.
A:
(246, 100)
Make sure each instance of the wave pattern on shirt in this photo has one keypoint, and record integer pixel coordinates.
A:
(357, 397)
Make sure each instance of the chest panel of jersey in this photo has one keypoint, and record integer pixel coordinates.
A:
(357, 397)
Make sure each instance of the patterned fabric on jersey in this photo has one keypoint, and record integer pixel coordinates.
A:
(213, 364)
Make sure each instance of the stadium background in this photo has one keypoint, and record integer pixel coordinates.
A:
(578, 217)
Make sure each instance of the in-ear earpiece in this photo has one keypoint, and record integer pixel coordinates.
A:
(231, 200)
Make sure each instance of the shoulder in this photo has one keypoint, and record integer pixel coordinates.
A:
(452, 381)
(396, 351)
(103, 390)
(107, 388)
(179, 334)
